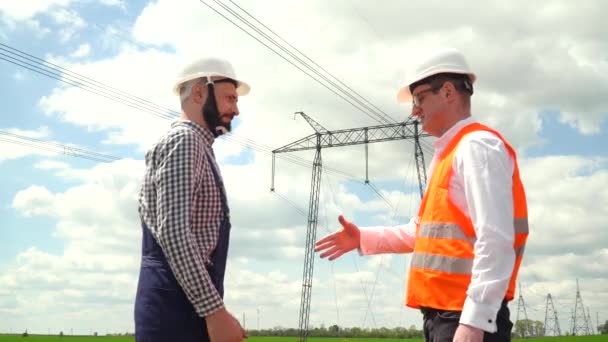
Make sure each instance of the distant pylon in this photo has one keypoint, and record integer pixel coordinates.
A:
(571, 329)
(551, 321)
(590, 322)
(580, 325)
(521, 305)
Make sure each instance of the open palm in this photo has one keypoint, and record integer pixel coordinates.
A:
(343, 241)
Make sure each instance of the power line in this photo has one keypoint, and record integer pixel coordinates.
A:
(362, 105)
(56, 147)
(111, 93)
(54, 71)
(43, 67)
(68, 150)
(368, 300)
(371, 110)
(63, 70)
(377, 192)
(292, 204)
(380, 111)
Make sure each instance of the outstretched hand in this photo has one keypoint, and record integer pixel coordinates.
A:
(343, 241)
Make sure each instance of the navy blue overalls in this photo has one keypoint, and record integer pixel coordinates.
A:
(163, 313)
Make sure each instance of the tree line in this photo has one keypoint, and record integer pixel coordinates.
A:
(336, 331)
(521, 329)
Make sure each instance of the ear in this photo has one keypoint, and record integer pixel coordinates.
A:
(199, 93)
(449, 92)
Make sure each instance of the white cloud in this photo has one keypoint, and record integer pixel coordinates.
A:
(82, 51)
(568, 201)
(17, 143)
(68, 18)
(119, 3)
(22, 10)
(34, 25)
(98, 223)
(51, 165)
(26, 9)
(97, 220)
(42, 132)
(500, 99)
(12, 147)
(70, 21)
(526, 65)
(130, 120)
(35, 200)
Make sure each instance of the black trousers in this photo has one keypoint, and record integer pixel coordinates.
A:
(440, 325)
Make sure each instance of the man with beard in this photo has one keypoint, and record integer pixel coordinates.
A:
(185, 216)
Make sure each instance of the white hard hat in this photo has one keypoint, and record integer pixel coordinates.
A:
(443, 61)
(209, 67)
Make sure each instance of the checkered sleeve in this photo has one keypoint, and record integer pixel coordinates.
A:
(180, 168)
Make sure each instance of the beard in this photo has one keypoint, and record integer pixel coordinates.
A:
(213, 117)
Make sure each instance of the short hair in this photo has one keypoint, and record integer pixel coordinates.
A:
(186, 89)
(461, 82)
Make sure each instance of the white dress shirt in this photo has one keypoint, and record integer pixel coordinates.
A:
(481, 188)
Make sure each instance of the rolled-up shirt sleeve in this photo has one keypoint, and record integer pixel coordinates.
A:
(175, 178)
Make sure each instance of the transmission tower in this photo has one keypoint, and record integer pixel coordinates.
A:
(551, 321)
(590, 322)
(521, 305)
(580, 326)
(323, 138)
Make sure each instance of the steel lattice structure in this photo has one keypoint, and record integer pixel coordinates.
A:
(551, 321)
(323, 138)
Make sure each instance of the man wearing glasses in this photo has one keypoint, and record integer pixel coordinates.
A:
(469, 235)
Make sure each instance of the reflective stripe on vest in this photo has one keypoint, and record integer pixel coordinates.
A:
(443, 257)
(444, 231)
(442, 263)
(455, 232)
(521, 225)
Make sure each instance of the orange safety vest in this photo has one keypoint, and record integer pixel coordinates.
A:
(442, 260)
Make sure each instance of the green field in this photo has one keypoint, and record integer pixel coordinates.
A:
(43, 338)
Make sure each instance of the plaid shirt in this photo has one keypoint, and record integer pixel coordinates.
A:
(181, 205)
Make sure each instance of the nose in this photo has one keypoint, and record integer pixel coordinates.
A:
(416, 110)
(235, 110)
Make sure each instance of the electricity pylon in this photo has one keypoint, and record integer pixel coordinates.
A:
(580, 326)
(551, 321)
(323, 138)
(521, 305)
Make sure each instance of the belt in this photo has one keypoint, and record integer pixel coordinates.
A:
(429, 313)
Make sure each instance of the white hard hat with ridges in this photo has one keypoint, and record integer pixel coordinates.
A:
(438, 62)
(209, 67)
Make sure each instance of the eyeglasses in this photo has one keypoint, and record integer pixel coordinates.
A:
(417, 100)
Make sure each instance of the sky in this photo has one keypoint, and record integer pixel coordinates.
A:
(69, 226)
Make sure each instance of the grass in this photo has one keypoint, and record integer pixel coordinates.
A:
(44, 338)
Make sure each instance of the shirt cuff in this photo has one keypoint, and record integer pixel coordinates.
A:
(205, 309)
(480, 316)
(368, 240)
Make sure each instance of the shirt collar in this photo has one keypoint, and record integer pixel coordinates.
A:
(442, 141)
(205, 133)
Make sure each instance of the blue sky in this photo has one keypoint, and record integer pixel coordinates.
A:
(70, 228)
